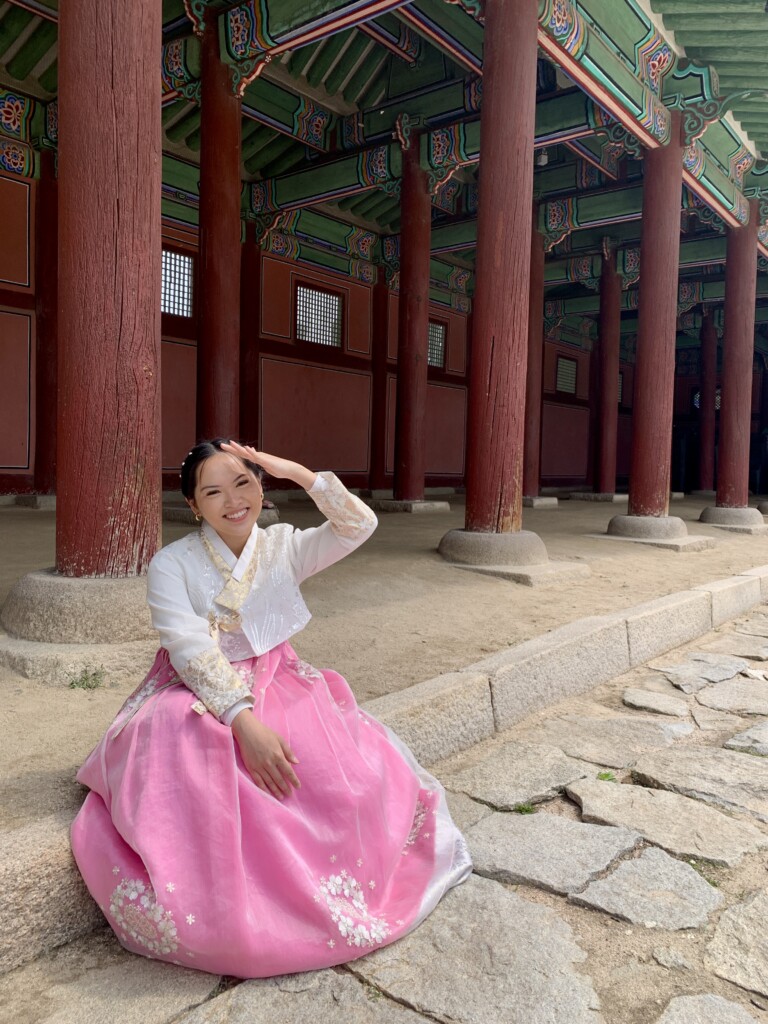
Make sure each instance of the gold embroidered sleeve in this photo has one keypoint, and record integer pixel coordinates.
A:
(211, 677)
(348, 515)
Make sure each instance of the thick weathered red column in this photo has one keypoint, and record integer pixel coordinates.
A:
(496, 425)
(250, 327)
(738, 352)
(707, 404)
(608, 398)
(535, 371)
(413, 328)
(108, 465)
(46, 303)
(378, 457)
(657, 328)
(218, 345)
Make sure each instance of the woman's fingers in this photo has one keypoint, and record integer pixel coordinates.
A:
(289, 754)
(274, 772)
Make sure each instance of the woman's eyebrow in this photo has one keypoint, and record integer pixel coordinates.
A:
(208, 487)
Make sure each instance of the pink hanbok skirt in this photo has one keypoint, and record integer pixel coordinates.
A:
(192, 863)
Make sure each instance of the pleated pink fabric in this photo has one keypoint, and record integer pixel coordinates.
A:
(193, 864)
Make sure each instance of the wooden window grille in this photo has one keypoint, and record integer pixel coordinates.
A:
(566, 375)
(318, 316)
(436, 345)
(621, 386)
(176, 290)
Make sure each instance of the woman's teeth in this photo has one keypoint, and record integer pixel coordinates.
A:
(235, 517)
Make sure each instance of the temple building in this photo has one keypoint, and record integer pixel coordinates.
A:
(512, 246)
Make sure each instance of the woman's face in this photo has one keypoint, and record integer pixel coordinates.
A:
(228, 497)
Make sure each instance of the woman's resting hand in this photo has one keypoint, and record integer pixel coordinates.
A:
(266, 755)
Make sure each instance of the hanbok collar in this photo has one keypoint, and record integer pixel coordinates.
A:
(238, 573)
(236, 567)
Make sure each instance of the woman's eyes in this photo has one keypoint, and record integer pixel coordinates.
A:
(242, 483)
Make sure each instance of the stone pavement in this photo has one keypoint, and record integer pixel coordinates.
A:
(620, 842)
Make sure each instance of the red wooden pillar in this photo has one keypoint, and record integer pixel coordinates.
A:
(108, 458)
(610, 334)
(380, 301)
(738, 350)
(250, 331)
(535, 370)
(707, 404)
(46, 302)
(218, 346)
(500, 313)
(413, 328)
(657, 328)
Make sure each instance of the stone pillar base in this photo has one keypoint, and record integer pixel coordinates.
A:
(598, 496)
(519, 556)
(394, 505)
(647, 527)
(703, 494)
(762, 508)
(48, 608)
(540, 502)
(676, 495)
(41, 501)
(737, 520)
(658, 531)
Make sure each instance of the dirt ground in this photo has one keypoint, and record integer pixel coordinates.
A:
(389, 616)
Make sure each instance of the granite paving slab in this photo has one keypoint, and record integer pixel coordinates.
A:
(517, 773)
(487, 956)
(757, 626)
(714, 721)
(660, 703)
(738, 951)
(338, 998)
(739, 645)
(725, 778)
(739, 696)
(655, 891)
(704, 1009)
(465, 811)
(613, 741)
(678, 824)
(672, 959)
(546, 850)
(751, 741)
(94, 981)
(701, 668)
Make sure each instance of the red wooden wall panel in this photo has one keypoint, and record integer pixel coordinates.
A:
(16, 213)
(178, 377)
(16, 403)
(319, 416)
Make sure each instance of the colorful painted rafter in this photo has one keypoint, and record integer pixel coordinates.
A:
(255, 32)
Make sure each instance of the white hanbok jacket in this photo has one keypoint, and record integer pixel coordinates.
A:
(211, 608)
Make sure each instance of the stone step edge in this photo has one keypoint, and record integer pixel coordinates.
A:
(436, 718)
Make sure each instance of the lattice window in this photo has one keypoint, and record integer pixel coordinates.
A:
(718, 399)
(621, 386)
(318, 316)
(176, 293)
(436, 345)
(566, 375)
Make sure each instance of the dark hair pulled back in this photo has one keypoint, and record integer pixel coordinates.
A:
(190, 467)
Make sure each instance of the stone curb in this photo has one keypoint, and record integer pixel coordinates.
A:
(436, 718)
(43, 900)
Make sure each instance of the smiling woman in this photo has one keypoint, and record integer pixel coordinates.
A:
(262, 824)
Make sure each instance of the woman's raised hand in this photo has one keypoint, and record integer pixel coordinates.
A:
(280, 469)
(266, 755)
